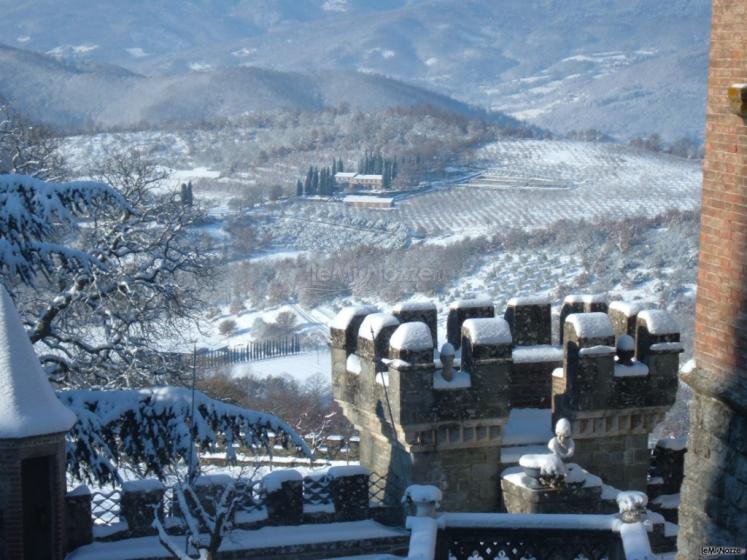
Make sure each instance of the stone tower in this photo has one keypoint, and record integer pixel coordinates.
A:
(33, 424)
(422, 422)
(713, 509)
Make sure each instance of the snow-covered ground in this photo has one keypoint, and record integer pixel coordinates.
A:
(300, 367)
(580, 180)
(523, 184)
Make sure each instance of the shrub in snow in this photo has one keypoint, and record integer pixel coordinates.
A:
(227, 327)
(149, 430)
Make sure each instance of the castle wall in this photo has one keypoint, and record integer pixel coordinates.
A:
(713, 508)
(418, 426)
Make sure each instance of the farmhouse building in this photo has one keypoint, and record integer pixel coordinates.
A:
(364, 201)
(352, 180)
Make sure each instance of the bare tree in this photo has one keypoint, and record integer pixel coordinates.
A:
(113, 326)
(26, 149)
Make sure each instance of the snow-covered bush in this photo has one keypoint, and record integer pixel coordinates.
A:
(36, 215)
(150, 430)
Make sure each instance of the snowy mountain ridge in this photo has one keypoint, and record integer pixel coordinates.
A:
(625, 67)
(82, 94)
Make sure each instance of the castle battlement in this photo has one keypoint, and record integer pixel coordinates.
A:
(437, 416)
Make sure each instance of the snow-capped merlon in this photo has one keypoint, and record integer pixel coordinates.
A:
(470, 303)
(273, 481)
(627, 308)
(374, 323)
(667, 347)
(585, 298)
(414, 306)
(596, 351)
(29, 405)
(659, 322)
(488, 330)
(346, 315)
(412, 336)
(537, 354)
(347, 470)
(529, 300)
(591, 325)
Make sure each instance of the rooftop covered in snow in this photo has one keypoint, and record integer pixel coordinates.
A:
(29, 405)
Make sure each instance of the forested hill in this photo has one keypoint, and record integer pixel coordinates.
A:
(78, 94)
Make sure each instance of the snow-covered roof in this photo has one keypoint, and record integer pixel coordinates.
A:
(591, 325)
(29, 405)
(370, 177)
(469, 303)
(585, 298)
(345, 175)
(373, 324)
(415, 306)
(627, 308)
(529, 300)
(343, 319)
(659, 321)
(412, 336)
(488, 330)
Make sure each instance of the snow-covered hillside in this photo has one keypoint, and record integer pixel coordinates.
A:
(627, 67)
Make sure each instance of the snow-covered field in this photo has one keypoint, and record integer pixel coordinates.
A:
(592, 181)
(519, 185)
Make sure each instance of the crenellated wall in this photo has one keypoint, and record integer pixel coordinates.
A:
(423, 427)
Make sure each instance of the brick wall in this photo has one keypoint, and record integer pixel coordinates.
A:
(12, 454)
(714, 495)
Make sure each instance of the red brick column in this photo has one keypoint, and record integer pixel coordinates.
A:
(714, 494)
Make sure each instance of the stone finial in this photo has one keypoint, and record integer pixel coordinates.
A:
(625, 349)
(447, 355)
(562, 444)
(424, 498)
(632, 506)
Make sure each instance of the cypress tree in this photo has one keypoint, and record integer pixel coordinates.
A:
(309, 177)
(339, 165)
(299, 188)
(314, 181)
